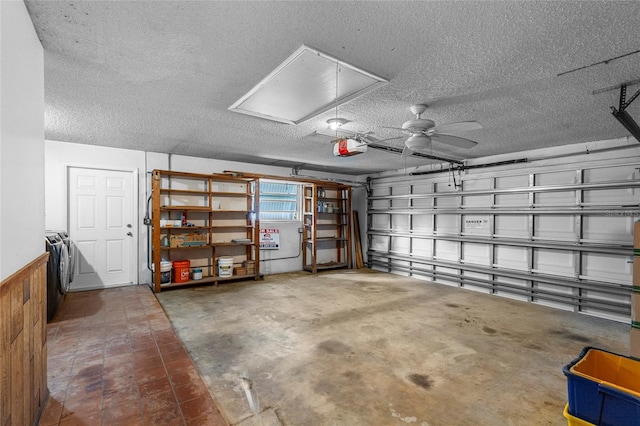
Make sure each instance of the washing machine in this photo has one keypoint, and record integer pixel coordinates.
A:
(67, 270)
(55, 295)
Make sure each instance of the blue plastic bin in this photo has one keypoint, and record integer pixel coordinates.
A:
(604, 388)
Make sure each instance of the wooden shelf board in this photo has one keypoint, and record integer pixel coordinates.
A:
(186, 247)
(229, 211)
(186, 208)
(322, 266)
(186, 175)
(227, 244)
(184, 191)
(231, 194)
(183, 228)
(205, 280)
(236, 277)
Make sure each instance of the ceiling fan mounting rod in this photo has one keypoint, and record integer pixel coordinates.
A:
(418, 109)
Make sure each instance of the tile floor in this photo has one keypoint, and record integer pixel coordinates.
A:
(114, 359)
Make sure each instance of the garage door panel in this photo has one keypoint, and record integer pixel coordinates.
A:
(380, 204)
(518, 289)
(379, 243)
(511, 226)
(422, 203)
(512, 257)
(447, 224)
(560, 198)
(622, 196)
(511, 200)
(423, 223)
(552, 178)
(509, 182)
(445, 280)
(476, 225)
(555, 227)
(607, 267)
(477, 254)
(379, 221)
(482, 278)
(611, 174)
(563, 198)
(608, 228)
(598, 310)
(400, 222)
(552, 304)
(422, 247)
(401, 245)
(446, 250)
(557, 262)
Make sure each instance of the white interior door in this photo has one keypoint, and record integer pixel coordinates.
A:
(101, 224)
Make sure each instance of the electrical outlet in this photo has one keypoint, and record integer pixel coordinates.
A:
(299, 230)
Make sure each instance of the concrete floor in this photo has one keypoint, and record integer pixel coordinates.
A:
(369, 348)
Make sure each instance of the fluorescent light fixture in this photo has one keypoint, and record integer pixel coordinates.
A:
(335, 123)
(305, 85)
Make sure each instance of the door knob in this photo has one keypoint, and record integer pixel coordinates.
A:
(130, 234)
(128, 225)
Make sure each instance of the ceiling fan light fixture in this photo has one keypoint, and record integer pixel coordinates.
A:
(336, 123)
(418, 142)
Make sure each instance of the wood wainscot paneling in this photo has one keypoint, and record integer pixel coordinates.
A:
(23, 344)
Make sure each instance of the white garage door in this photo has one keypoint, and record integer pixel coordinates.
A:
(559, 235)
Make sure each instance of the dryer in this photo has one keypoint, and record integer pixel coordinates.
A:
(54, 246)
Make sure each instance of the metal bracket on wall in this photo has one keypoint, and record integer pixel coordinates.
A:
(623, 94)
(620, 114)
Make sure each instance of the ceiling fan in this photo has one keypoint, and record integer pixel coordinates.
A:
(423, 131)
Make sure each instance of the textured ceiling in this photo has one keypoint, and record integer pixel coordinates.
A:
(159, 76)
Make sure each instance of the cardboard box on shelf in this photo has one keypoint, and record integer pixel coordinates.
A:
(187, 240)
(636, 236)
(250, 265)
(239, 270)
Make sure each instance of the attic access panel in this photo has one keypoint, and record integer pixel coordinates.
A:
(303, 86)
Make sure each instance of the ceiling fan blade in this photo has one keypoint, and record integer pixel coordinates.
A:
(394, 128)
(462, 126)
(454, 140)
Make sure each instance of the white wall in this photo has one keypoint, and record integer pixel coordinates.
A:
(21, 139)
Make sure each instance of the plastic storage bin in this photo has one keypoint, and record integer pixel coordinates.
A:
(196, 274)
(165, 271)
(604, 388)
(572, 420)
(181, 271)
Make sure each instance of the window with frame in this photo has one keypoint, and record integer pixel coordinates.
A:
(279, 200)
